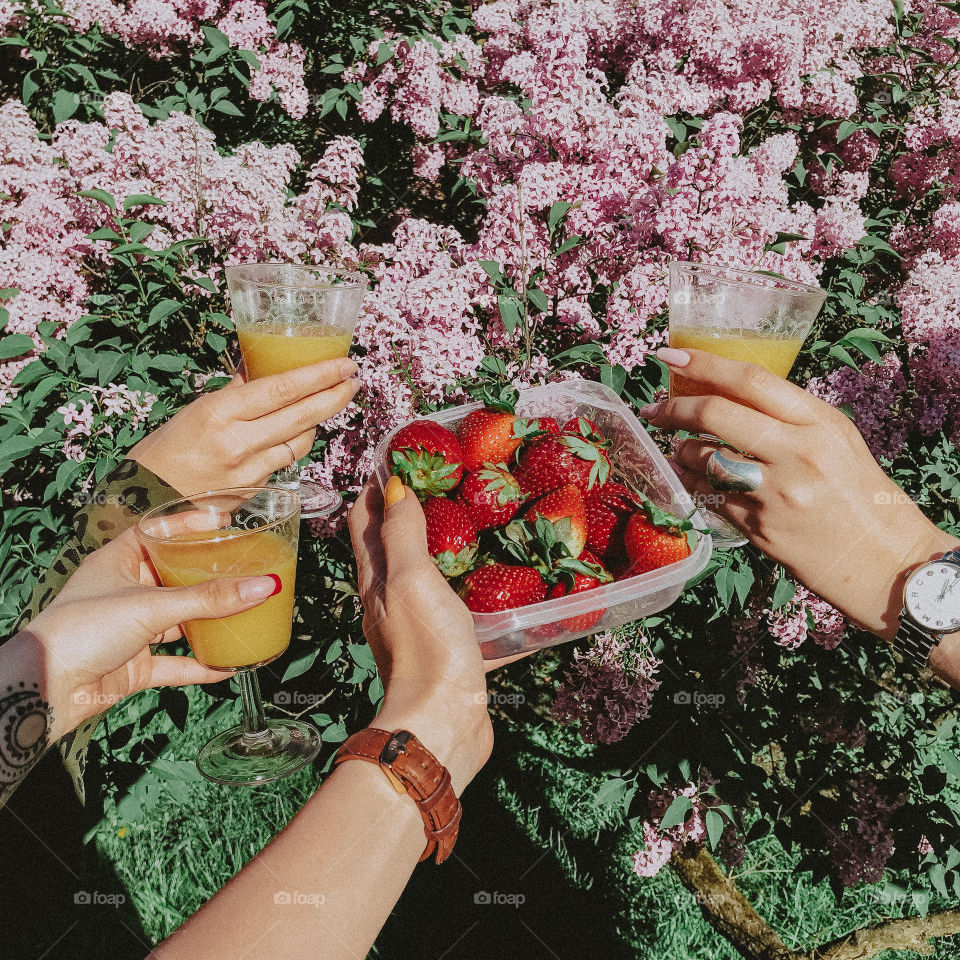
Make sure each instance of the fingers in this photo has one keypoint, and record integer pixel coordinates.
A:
(404, 530)
(161, 609)
(182, 671)
(261, 397)
(744, 428)
(364, 521)
(277, 457)
(305, 414)
(746, 383)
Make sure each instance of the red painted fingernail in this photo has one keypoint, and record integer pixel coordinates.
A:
(278, 584)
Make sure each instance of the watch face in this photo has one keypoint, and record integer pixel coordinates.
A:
(932, 597)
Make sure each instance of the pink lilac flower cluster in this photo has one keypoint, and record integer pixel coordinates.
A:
(861, 846)
(806, 616)
(238, 202)
(660, 845)
(164, 28)
(608, 688)
(88, 418)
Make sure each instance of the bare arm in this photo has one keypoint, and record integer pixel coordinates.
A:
(327, 883)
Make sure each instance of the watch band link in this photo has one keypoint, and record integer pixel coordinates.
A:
(914, 644)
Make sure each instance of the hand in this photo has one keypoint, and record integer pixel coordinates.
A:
(92, 643)
(825, 509)
(235, 437)
(421, 635)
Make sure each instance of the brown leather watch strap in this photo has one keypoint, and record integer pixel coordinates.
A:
(414, 770)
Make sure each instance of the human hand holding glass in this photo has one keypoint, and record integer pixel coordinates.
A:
(238, 533)
(289, 316)
(743, 315)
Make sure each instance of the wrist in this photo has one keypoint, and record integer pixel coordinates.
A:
(455, 729)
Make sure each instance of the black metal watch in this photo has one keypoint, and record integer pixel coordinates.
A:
(931, 608)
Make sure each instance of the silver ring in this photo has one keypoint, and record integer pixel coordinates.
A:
(293, 456)
(732, 476)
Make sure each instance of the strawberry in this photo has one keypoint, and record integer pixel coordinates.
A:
(546, 425)
(552, 462)
(490, 495)
(582, 427)
(487, 436)
(451, 536)
(654, 539)
(564, 508)
(576, 581)
(427, 457)
(502, 587)
(608, 509)
(531, 428)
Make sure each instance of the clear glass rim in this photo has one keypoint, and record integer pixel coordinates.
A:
(765, 281)
(226, 491)
(257, 273)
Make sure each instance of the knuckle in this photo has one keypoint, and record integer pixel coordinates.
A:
(709, 410)
(755, 379)
(282, 392)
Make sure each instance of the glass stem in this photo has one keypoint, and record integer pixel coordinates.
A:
(254, 722)
(289, 477)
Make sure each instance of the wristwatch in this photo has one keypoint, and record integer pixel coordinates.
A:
(931, 608)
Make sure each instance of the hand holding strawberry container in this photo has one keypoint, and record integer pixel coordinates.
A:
(538, 525)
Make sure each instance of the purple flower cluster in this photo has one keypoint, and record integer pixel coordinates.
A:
(861, 846)
(608, 688)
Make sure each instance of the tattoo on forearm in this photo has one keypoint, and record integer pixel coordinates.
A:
(24, 726)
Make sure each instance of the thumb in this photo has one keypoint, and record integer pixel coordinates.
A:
(209, 600)
(404, 530)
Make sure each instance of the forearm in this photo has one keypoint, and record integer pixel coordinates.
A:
(26, 717)
(324, 886)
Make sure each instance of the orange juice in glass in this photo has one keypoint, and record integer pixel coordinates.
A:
(742, 315)
(290, 315)
(245, 532)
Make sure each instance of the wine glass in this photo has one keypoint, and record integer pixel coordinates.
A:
(289, 315)
(243, 532)
(743, 315)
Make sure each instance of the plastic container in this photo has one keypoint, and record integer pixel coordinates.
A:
(638, 462)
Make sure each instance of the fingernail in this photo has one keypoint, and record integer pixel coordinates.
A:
(348, 368)
(259, 588)
(394, 493)
(673, 357)
(649, 411)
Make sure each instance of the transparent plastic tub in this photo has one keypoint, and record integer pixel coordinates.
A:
(638, 462)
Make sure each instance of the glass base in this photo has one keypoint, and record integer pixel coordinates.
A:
(724, 534)
(316, 500)
(237, 760)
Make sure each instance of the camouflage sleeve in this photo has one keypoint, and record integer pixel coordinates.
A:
(127, 492)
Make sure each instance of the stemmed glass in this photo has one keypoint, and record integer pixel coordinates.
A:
(243, 532)
(743, 315)
(289, 315)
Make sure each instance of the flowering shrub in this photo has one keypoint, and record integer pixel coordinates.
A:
(515, 178)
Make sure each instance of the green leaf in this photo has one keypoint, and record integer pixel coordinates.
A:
(97, 194)
(539, 299)
(384, 53)
(168, 363)
(611, 792)
(714, 827)
(230, 109)
(510, 312)
(557, 212)
(568, 245)
(163, 310)
(362, 656)
(783, 593)
(845, 129)
(65, 104)
(30, 86)
(15, 345)
(142, 200)
(676, 813)
(298, 667)
(493, 270)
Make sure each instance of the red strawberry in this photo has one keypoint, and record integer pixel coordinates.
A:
(491, 496)
(534, 427)
(564, 508)
(502, 587)
(608, 509)
(551, 462)
(577, 582)
(654, 539)
(451, 536)
(427, 457)
(582, 427)
(487, 436)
